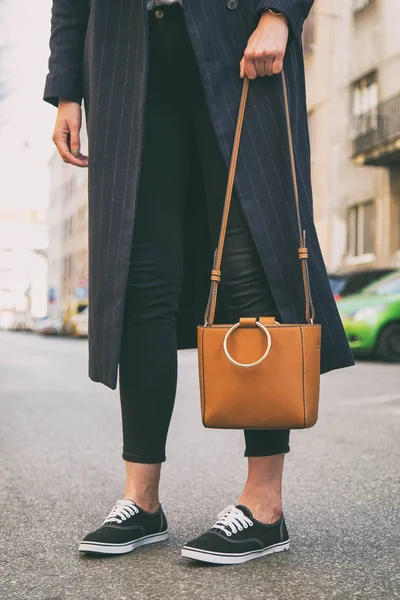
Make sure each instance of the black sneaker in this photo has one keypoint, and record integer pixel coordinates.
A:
(237, 537)
(126, 527)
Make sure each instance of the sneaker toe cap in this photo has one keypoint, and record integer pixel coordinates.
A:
(205, 541)
(107, 535)
(99, 535)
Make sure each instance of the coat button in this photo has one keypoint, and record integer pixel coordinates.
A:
(231, 4)
(159, 14)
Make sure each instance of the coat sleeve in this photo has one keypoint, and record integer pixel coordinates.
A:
(69, 19)
(296, 12)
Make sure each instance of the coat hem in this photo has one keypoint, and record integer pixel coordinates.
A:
(111, 382)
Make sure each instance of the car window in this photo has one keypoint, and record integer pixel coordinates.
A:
(358, 281)
(355, 283)
(387, 285)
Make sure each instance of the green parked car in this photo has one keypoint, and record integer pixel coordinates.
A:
(371, 319)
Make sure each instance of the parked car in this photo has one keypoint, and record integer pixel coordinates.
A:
(78, 324)
(371, 319)
(73, 307)
(49, 326)
(345, 284)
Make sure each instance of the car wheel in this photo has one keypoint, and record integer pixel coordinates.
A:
(389, 343)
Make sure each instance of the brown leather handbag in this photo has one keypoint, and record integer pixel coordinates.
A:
(258, 373)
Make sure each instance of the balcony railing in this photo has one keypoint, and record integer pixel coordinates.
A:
(378, 129)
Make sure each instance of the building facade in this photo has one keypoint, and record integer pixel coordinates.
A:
(68, 234)
(23, 196)
(23, 243)
(352, 58)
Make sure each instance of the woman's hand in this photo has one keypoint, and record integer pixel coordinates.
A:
(266, 47)
(66, 133)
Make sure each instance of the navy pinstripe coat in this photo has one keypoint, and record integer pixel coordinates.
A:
(99, 52)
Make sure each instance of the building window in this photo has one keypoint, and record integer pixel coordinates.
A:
(365, 104)
(361, 229)
(309, 33)
(360, 4)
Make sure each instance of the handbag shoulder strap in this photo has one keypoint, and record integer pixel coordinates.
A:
(303, 252)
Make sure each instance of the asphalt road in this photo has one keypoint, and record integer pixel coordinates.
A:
(61, 471)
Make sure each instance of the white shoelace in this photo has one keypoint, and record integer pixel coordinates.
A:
(231, 520)
(123, 510)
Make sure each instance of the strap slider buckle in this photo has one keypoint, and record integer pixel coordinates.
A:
(303, 252)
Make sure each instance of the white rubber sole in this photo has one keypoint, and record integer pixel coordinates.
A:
(102, 548)
(219, 558)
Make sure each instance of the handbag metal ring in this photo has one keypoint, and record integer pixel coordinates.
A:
(257, 362)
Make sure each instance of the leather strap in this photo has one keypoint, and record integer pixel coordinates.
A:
(303, 252)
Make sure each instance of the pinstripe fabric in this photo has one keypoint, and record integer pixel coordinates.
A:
(113, 84)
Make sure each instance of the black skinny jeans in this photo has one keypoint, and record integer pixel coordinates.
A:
(176, 117)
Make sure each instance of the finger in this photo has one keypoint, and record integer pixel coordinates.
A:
(64, 151)
(75, 142)
(250, 69)
(78, 154)
(82, 157)
(249, 66)
(74, 139)
(277, 65)
(260, 65)
(269, 65)
(241, 65)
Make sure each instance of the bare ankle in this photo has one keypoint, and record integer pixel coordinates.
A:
(265, 503)
(265, 512)
(267, 515)
(142, 481)
(146, 504)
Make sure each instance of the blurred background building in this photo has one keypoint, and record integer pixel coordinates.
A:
(352, 50)
(23, 265)
(68, 234)
(24, 188)
(352, 61)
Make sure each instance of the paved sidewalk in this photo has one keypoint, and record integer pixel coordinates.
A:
(61, 471)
